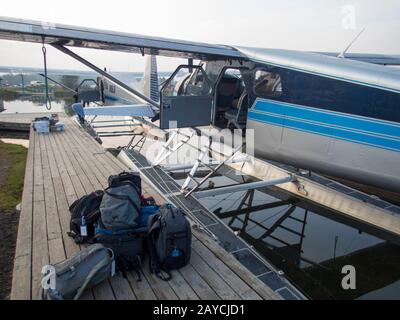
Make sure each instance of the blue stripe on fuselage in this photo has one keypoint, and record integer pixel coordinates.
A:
(369, 131)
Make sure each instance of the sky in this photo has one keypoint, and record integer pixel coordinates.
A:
(319, 25)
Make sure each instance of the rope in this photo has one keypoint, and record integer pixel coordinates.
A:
(47, 99)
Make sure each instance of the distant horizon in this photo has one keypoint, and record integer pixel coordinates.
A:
(38, 69)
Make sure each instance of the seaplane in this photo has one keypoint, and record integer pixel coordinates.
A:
(334, 114)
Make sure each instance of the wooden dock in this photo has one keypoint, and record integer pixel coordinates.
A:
(64, 166)
(17, 121)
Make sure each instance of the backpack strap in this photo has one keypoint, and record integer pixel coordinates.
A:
(125, 183)
(77, 237)
(101, 264)
(154, 263)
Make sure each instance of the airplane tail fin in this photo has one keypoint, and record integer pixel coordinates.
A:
(150, 79)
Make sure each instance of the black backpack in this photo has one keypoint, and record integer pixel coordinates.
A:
(85, 212)
(132, 177)
(169, 241)
(128, 247)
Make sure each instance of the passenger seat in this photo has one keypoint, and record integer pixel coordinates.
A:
(237, 116)
(226, 92)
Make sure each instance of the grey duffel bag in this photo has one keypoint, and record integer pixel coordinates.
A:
(120, 207)
(70, 278)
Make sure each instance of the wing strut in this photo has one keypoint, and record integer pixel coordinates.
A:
(119, 83)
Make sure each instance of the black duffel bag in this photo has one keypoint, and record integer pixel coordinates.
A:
(132, 177)
(128, 247)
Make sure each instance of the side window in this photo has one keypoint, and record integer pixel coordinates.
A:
(112, 88)
(267, 84)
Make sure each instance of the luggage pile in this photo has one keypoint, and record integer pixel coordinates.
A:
(48, 124)
(121, 227)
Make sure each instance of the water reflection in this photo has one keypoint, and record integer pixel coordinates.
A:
(309, 247)
(34, 104)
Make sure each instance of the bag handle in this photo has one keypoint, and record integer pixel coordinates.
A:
(90, 276)
(154, 263)
(124, 183)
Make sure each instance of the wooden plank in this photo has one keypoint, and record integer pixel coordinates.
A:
(197, 283)
(57, 157)
(80, 191)
(69, 157)
(215, 281)
(103, 291)
(61, 151)
(38, 194)
(91, 150)
(234, 281)
(21, 282)
(97, 182)
(54, 235)
(264, 291)
(63, 211)
(53, 224)
(181, 287)
(121, 288)
(87, 295)
(141, 289)
(40, 251)
(56, 250)
(106, 158)
(161, 288)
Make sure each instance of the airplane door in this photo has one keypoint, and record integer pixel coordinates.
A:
(186, 99)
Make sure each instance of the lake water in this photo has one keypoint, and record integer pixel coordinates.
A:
(28, 106)
(311, 248)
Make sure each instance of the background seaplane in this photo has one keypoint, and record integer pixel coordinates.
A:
(329, 114)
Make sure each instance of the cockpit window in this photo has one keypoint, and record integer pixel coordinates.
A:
(267, 84)
(188, 82)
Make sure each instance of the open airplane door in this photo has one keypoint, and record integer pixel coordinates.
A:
(186, 99)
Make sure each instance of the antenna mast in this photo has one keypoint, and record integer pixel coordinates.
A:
(341, 55)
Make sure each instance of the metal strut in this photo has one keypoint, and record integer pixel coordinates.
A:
(212, 170)
(139, 144)
(168, 148)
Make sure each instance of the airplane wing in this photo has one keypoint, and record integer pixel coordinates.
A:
(61, 36)
(382, 59)
(50, 33)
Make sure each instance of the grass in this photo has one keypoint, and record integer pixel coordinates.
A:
(13, 161)
(12, 169)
